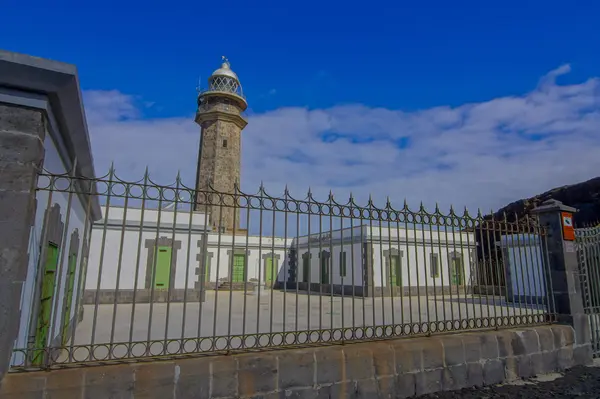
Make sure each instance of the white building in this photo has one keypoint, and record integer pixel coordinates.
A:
(363, 261)
(44, 99)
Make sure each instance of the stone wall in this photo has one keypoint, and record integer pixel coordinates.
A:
(384, 369)
(22, 132)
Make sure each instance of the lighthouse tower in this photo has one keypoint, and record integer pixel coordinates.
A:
(221, 122)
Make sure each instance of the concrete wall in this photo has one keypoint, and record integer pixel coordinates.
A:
(396, 368)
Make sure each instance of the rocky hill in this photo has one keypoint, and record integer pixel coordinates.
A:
(584, 196)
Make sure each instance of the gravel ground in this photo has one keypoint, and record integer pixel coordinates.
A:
(579, 382)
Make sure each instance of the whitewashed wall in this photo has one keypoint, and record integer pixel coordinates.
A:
(104, 266)
(338, 241)
(523, 254)
(77, 219)
(416, 247)
(257, 246)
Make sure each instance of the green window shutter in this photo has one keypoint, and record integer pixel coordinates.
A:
(48, 283)
(239, 268)
(207, 268)
(269, 269)
(163, 268)
(69, 296)
(395, 271)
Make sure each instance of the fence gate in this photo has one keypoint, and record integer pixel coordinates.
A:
(588, 251)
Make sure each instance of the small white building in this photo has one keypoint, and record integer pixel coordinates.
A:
(159, 254)
(524, 268)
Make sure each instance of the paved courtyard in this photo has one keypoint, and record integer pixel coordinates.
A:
(235, 313)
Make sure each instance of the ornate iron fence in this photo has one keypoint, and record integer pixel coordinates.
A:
(588, 251)
(164, 271)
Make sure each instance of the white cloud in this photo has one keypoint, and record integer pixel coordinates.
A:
(479, 155)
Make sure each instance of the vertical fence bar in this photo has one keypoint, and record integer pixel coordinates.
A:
(137, 261)
(102, 248)
(244, 307)
(231, 262)
(406, 213)
(423, 214)
(217, 284)
(401, 288)
(187, 269)
(85, 245)
(119, 267)
(171, 265)
(153, 264)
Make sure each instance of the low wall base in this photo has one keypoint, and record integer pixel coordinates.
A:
(384, 369)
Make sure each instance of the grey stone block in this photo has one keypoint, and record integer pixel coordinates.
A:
(408, 357)
(454, 352)
(22, 148)
(475, 374)
(154, 380)
(565, 357)
(546, 338)
(193, 378)
(433, 353)
(20, 119)
(472, 346)
(386, 386)
(581, 325)
(550, 360)
(582, 355)
(296, 370)
(329, 365)
(406, 385)
(384, 363)
(524, 367)
(224, 378)
(257, 373)
(359, 363)
(504, 343)
(109, 382)
(367, 389)
(455, 377)
(428, 381)
(493, 372)
(301, 393)
(537, 364)
(489, 346)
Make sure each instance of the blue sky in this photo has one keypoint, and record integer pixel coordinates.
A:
(325, 78)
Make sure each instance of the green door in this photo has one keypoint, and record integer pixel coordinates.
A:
(163, 268)
(269, 270)
(43, 322)
(395, 271)
(456, 271)
(69, 296)
(324, 270)
(239, 266)
(305, 269)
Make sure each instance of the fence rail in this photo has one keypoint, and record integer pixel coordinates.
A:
(135, 270)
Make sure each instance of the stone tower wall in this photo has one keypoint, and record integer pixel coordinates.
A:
(219, 166)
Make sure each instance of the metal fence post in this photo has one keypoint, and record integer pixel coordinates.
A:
(562, 268)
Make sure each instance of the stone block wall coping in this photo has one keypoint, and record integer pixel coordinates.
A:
(365, 370)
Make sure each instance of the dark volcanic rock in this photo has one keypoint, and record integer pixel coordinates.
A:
(583, 196)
